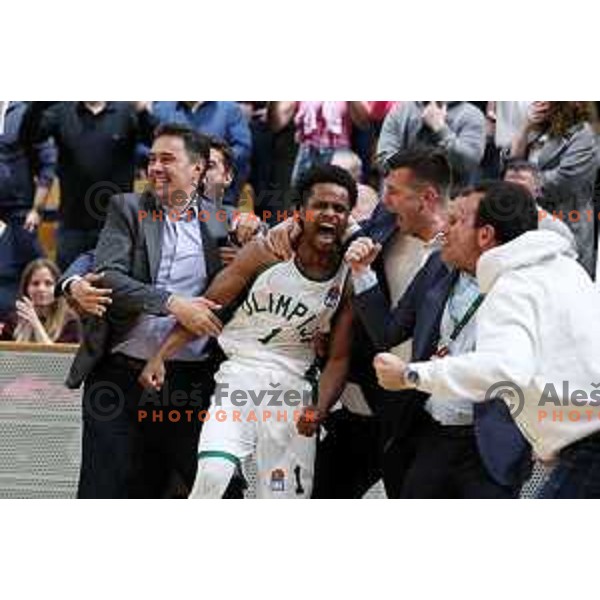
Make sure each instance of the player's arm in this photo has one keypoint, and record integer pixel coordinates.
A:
(224, 288)
(233, 280)
(200, 312)
(333, 378)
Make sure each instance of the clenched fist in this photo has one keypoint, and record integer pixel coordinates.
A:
(309, 421)
(153, 375)
(390, 371)
(361, 254)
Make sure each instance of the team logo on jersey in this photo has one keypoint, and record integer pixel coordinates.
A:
(333, 296)
(278, 480)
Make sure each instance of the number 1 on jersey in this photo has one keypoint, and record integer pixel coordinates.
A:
(270, 336)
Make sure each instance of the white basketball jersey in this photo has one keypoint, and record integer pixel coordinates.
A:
(276, 323)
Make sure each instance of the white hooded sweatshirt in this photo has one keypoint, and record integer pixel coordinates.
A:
(538, 327)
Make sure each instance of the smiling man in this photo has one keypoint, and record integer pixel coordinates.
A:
(438, 311)
(154, 267)
(270, 345)
(538, 326)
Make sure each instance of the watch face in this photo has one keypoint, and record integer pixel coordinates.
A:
(412, 377)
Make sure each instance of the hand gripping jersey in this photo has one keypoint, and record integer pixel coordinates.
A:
(277, 321)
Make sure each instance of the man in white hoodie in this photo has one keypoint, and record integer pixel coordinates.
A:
(538, 340)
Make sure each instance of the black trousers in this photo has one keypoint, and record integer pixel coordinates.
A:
(140, 444)
(447, 465)
(348, 459)
(358, 451)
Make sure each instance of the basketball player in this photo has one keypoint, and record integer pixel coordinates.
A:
(270, 348)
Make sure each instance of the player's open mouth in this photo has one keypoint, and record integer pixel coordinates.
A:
(327, 232)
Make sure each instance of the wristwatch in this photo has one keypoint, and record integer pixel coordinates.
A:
(66, 286)
(411, 376)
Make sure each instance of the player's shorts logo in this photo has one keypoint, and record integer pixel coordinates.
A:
(332, 297)
(278, 480)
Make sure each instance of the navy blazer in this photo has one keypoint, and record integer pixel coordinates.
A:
(381, 227)
(85, 263)
(418, 315)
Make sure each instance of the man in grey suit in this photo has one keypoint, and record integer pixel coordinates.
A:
(157, 252)
(457, 127)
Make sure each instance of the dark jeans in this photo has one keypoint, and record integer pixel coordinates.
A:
(447, 465)
(577, 474)
(127, 453)
(72, 243)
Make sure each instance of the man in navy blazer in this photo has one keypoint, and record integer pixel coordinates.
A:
(371, 436)
(470, 451)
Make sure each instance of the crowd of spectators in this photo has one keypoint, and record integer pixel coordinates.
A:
(95, 149)
(469, 177)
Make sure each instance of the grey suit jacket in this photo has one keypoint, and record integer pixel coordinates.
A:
(463, 137)
(568, 167)
(128, 254)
